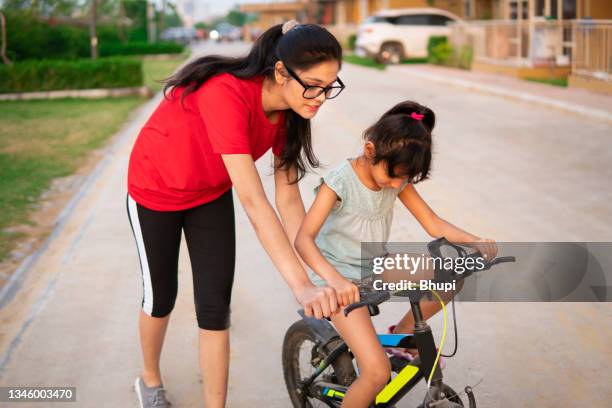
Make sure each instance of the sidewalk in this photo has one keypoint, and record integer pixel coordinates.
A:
(577, 101)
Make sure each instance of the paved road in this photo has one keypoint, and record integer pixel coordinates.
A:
(503, 169)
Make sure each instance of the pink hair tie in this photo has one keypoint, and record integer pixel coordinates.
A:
(417, 116)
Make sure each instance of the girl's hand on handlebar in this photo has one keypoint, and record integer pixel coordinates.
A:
(319, 302)
(346, 291)
(487, 247)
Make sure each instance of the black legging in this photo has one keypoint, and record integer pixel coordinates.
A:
(211, 241)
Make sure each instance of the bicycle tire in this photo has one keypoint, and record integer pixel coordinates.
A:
(296, 335)
(447, 390)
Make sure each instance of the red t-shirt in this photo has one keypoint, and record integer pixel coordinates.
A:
(176, 161)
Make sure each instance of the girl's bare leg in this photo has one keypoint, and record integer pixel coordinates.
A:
(374, 367)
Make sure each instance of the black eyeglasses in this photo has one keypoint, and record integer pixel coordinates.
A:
(312, 91)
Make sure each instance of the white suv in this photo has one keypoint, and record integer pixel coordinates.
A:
(392, 35)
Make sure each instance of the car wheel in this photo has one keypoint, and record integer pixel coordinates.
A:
(391, 53)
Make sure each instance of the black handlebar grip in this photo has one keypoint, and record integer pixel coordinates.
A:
(370, 299)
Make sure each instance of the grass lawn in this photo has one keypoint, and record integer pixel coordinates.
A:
(562, 82)
(44, 139)
(156, 70)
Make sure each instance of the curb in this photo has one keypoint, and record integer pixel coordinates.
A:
(78, 93)
(506, 93)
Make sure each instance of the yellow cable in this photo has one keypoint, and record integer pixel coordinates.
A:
(442, 341)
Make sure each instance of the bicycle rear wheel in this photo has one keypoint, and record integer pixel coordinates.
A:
(301, 356)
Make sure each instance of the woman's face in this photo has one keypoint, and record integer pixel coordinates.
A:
(323, 74)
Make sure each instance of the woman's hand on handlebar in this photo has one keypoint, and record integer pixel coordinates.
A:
(346, 291)
(487, 247)
(318, 302)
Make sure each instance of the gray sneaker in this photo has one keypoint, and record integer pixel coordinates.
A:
(151, 397)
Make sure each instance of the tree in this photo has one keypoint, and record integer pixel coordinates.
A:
(43, 7)
(236, 17)
(3, 49)
(93, 37)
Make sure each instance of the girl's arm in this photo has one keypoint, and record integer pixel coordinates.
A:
(346, 291)
(320, 302)
(437, 227)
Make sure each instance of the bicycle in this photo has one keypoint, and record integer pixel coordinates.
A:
(332, 362)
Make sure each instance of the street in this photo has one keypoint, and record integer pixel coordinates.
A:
(502, 169)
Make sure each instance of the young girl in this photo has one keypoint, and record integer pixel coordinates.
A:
(354, 204)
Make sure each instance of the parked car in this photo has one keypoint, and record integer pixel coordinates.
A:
(227, 32)
(181, 35)
(392, 35)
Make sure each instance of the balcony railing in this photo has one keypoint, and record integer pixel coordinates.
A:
(583, 45)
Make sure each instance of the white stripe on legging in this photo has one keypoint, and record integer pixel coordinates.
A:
(144, 263)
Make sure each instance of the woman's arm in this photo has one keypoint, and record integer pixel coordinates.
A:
(320, 302)
(346, 292)
(437, 227)
(288, 200)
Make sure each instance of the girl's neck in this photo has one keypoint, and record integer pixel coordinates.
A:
(271, 97)
(363, 170)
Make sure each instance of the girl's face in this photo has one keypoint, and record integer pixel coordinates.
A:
(379, 171)
(380, 175)
(322, 74)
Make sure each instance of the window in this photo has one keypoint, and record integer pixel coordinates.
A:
(437, 20)
(569, 9)
(413, 19)
(519, 9)
(467, 9)
(540, 8)
(379, 19)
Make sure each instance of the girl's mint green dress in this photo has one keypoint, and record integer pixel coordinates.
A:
(360, 215)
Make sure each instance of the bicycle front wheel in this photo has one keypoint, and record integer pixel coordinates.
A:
(301, 356)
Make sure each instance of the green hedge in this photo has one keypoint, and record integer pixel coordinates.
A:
(29, 37)
(140, 48)
(51, 75)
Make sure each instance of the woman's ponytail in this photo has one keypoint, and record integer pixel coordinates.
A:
(300, 48)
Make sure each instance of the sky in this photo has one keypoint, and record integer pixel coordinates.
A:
(209, 8)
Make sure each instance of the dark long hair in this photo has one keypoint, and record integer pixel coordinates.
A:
(402, 139)
(302, 47)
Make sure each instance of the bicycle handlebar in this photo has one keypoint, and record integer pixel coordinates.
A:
(368, 299)
(381, 296)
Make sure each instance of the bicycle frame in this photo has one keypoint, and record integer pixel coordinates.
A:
(406, 379)
(419, 368)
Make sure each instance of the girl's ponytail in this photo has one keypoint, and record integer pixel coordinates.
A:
(402, 139)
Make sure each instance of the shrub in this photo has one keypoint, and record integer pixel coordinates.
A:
(352, 40)
(50, 75)
(433, 41)
(441, 52)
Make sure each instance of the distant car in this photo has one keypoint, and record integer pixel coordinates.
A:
(181, 35)
(392, 35)
(227, 32)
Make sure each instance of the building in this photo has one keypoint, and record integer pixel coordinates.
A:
(269, 14)
(543, 39)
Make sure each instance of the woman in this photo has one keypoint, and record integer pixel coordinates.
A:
(219, 116)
